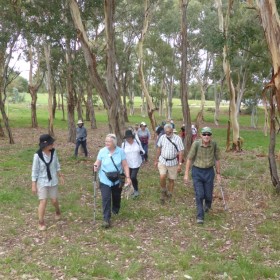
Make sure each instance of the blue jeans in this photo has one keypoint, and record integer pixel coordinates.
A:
(145, 148)
(203, 182)
(84, 145)
(110, 196)
(133, 176)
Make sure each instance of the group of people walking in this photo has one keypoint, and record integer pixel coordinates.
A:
(119, 166)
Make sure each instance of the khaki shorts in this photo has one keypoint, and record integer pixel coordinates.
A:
(171, 170)
(45, 192)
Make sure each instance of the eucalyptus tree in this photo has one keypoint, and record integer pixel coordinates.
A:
(185, 75)
(108, 91)
(10, 24)
(35, 79)
(270, 21)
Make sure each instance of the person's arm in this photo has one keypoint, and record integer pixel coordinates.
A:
(180, 160)
(218, 170)
(61, 177)
(96, 165)
(35, 173)
(126, 171)
(188, 166)
(158, 152)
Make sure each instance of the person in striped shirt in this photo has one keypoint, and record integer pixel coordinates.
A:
(169, 157)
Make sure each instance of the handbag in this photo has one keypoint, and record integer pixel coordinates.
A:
(116, 175)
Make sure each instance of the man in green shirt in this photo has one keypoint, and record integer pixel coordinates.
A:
(203, 156)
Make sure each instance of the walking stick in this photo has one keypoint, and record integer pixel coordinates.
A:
(224, 201)
(94, 195)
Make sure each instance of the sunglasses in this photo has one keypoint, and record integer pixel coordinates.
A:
(206, 134)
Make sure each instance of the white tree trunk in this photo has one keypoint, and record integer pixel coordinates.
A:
(223, 26)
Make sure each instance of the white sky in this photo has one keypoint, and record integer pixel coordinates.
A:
(21, 66)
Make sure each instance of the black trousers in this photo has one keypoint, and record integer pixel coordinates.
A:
(84, 145)
(111, 200)
(133, 176)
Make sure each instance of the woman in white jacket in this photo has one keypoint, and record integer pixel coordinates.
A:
(134, 151)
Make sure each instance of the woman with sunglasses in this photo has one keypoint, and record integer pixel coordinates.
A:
(203, 156)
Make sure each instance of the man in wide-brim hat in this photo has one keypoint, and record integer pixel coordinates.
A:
(81, 138)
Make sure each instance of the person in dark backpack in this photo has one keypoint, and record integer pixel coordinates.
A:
(45, 173)
(203, 156)
(169, 157)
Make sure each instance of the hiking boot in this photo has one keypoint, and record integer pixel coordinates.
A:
(169, 196)
(106, 224)
(135, 194)
(42, 226)
(199, 221)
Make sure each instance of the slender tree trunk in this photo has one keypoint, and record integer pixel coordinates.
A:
(223, 26)
(108, 92)
(271, 25)
(47, 51)
(91, 107)
(70, 96)
(185, 77)
(2, 133)
(150, 105)
(62, 100)
(33, 93)
(54, 103)
(79, 99)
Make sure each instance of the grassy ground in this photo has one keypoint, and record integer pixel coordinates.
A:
(147, 240)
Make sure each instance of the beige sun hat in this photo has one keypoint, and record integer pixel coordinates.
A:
(80, 122)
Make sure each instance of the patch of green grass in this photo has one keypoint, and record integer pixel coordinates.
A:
(147, 240)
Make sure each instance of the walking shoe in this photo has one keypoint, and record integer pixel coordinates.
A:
(42, 226)
(199, 221)
(169, 196)
(115, 212)
(106, 224)
(135, 194)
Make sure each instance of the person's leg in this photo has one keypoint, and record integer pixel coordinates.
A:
(106, 202)
(199, 192)
(162, 179)
(78, 143)
(41, 212)
(84, 145)
(53, 194)
(42, 196)
(147, 152)
(172, 176)
(116, 197)
(208, 188)
(133, 176)
(171, 186)
(145, 148)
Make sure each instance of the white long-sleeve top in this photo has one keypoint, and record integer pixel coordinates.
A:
(132, 152)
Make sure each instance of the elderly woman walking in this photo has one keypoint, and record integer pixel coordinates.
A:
(111, 161)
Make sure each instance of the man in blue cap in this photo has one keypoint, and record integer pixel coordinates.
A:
(203, 156)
